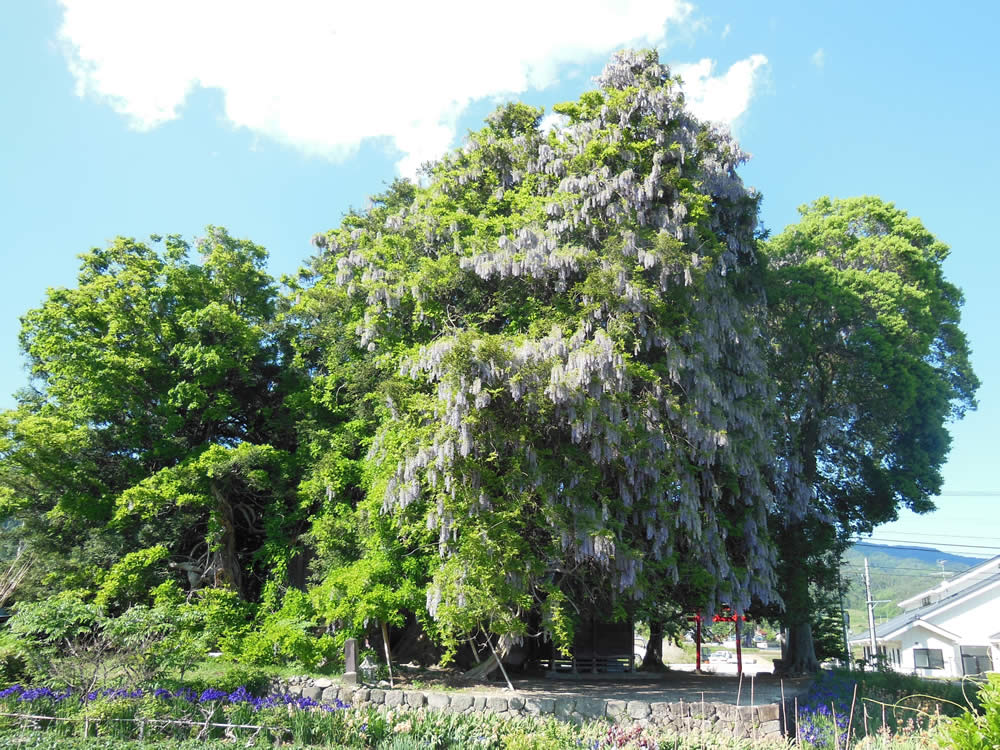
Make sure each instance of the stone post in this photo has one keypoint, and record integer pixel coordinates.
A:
(351, 662)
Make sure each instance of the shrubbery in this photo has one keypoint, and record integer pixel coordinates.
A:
(119, 716)
(69, 640)
(978, 729)
(286, 636)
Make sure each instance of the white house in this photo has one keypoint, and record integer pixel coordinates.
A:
(948, 631)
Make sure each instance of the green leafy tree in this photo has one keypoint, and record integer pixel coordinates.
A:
(869, 364)
(158, 439)
(558, 330)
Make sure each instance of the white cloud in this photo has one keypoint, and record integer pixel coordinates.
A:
(324, 76)
(722, 98)
(726, 31)
(818, 58)
(553, 121)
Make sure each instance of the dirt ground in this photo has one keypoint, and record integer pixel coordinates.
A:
(671, 686)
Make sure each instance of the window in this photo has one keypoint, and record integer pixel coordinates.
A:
(976, 660)
(886, 655)
(928, 658)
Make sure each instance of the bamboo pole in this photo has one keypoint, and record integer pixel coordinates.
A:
(510, 685)
(388, 657)
(850, 720)
(784, 711)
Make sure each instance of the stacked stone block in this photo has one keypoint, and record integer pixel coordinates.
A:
(681, 717)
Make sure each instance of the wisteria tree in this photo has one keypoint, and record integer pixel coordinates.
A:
(869, 364)
(560, 331)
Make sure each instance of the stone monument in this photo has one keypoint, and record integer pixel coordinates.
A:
(350, 662)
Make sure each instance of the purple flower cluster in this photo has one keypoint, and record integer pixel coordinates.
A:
(824, 716)
(35, 694)
(210, 695)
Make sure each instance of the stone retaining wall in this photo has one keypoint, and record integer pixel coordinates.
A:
(681, 717)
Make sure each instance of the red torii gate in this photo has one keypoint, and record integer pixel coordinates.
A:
(738, 619)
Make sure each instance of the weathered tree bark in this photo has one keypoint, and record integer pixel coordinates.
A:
(225, 562)
(796, 548)
(652, 661)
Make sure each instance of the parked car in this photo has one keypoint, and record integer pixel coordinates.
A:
(722, 657)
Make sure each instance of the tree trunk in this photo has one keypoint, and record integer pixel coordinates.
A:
(483, 670)
(799, 652)
(413, 645)
(227, 567)
(653, 659)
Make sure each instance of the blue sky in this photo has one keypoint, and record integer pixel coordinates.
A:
(127, 118)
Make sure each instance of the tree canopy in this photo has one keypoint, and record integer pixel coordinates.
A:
(869, 364)
(570, 384)
(560, 374)
(158, 416)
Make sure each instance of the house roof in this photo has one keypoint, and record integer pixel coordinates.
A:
(961, 580)
(900, 622)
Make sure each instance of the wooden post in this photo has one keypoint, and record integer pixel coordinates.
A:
(739, 645)
(697, 643)
(631, 651)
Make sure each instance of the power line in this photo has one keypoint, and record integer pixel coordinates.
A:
(949, 536)
(916, 572)
(882, 542)
(970, 493)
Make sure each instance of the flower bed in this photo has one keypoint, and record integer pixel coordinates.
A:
(852, 706)
(180, 714)
(213, 715)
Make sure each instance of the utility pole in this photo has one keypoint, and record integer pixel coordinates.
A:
(871, 614)
(843, 618)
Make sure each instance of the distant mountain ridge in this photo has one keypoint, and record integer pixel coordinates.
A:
(897, 573)
(915, 552)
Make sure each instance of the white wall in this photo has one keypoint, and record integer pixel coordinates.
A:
(975, 620)
(919, 637)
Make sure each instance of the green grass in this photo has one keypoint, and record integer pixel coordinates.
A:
(29, 740)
